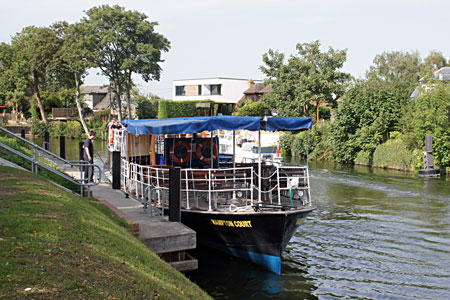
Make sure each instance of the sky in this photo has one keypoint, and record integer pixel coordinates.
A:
(227, 38)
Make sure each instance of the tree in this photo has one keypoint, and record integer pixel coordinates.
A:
(34, 50)
(370, 110)
(429, 114)
(397, 65)
(75, 56)
(147, 106)
(311, 75)
(125, 44)
(435, 60)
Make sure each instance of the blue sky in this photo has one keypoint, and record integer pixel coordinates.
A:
(228, 38)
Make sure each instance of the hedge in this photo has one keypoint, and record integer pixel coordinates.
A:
(177, 109)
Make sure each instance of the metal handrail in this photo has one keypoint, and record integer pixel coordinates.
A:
(35, 162)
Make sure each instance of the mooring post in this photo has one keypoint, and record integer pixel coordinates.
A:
(22, 133)
(175, 194)
(62, 146)
(116, 170)
(47, 141)
(80, 150)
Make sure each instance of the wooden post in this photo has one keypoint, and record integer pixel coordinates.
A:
(318, 103)
(116, 170)
(47, 141)
(80, 150)
(175, 194)
(62, 146)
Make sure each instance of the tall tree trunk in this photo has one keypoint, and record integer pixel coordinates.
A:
(119, 101)
(127, 95)
(38, 98)
(78, 100)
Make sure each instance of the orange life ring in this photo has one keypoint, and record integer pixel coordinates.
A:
(184, 157)
(199, 151)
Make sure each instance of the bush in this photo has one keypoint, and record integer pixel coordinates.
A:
(250, 108)
(177, 109)
(74, 130)
(394, 155)
(38, 128)
(363, 158)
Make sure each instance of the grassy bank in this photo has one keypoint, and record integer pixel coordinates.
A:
(56, 245)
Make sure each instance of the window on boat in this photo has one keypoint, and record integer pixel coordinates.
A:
(265, 150)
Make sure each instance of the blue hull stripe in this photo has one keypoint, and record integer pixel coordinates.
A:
(271, 262)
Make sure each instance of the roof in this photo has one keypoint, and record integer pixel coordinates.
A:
(199, 124)
(442, 74)
(258, 88)
(255, 88)
(105, 102)
(93, 89)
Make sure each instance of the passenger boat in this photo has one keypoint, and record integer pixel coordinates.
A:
(249, 210)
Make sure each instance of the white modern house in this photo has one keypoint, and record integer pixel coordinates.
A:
(218, 89)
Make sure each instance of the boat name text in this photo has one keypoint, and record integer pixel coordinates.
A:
(227, 223)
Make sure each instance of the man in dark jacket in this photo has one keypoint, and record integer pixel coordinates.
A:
(88, 155)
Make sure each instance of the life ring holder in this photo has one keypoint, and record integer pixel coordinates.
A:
(200, 156)
(180, 159)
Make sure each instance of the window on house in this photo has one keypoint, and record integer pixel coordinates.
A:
(180, 90)
(199, 90)
(216, 89)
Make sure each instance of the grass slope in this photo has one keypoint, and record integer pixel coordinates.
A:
(56, 245)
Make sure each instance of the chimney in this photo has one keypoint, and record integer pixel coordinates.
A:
(250, 83)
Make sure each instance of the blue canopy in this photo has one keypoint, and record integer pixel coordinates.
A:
(199, 124)
(288, 123)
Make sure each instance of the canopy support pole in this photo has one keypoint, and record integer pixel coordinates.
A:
(259, 166)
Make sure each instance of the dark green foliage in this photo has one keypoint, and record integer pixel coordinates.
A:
(314, 143)
(147, 107)
(38, 128)
(310, 75)
(428, 114)
(370, 110)
(250, 108)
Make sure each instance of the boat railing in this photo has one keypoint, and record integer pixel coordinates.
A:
(199, 187)
(287, 185)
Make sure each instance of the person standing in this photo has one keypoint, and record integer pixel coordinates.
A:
(88, 155)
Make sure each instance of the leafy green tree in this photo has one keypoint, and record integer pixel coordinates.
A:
(147, 106)
(435, 60)
(397, 65)
(429, 114)
(75, 56)
(310, 75)
(126, 44)
(370, 110)
(34, 52)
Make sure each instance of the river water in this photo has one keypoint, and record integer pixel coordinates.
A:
(376, 234)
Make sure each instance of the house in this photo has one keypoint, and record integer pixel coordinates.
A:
(443, 74)
(96, 97)
(218, 89)
(255, 91)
